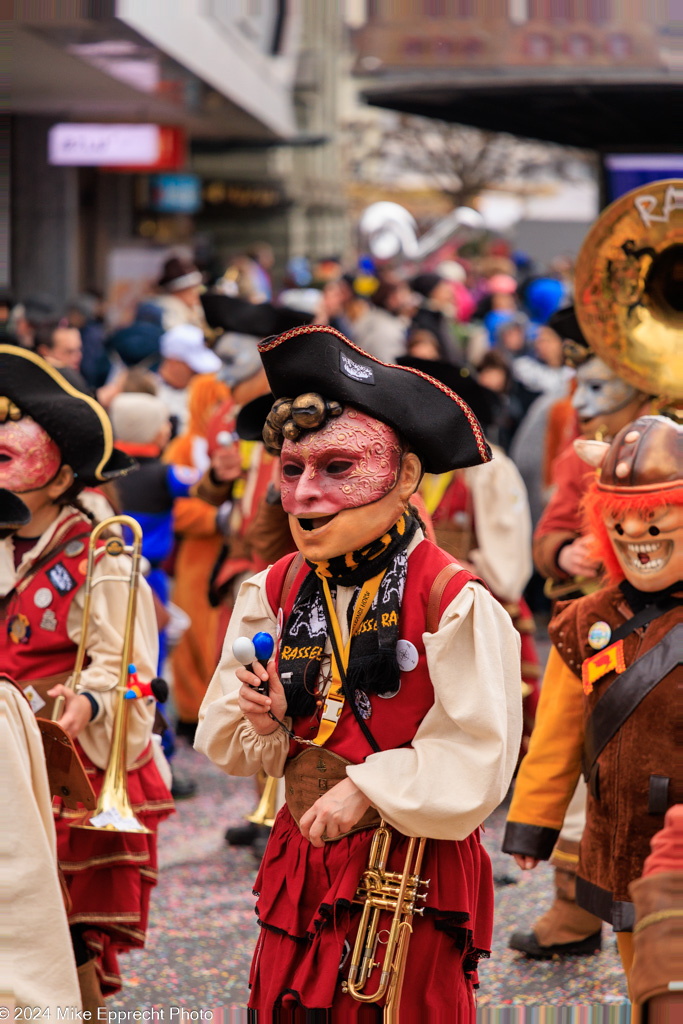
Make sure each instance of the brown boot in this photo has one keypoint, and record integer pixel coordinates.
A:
(91, 993)
(565, 929)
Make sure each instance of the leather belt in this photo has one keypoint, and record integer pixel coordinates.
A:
(312, 773)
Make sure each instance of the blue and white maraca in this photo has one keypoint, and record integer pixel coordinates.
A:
(260, 649)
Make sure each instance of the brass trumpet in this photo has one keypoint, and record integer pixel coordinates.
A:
(114, 811)
(265, 811)
(381, 890)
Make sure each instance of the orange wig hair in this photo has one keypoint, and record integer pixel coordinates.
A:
(599, 504)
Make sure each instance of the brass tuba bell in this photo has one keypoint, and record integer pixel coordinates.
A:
(629, 289)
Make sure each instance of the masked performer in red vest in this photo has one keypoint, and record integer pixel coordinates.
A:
(397, 684)
(53, 442)
(608, 699)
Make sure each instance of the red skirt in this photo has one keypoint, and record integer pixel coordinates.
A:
(308, 925)
(110, 875)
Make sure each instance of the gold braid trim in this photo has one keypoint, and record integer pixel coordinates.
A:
(268, 346)
(107, 858)
(93, 917)
(111, 979)
(133, 933)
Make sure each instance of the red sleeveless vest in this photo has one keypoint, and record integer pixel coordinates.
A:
(34, 642)
(394, 720)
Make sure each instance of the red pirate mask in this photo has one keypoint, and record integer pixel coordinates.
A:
(339, 484)
(352, 461)
(29, 458)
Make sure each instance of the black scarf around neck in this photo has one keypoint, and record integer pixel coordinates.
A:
(372, 664)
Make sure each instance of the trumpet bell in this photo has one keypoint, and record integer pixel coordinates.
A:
(265, 812)
(629, 288)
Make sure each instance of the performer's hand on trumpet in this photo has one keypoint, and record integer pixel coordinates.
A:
(334, 813)
(254, 705)
(77, 709)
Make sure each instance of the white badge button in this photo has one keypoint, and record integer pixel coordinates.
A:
(406, 655)
(34, 699)
(42, 597)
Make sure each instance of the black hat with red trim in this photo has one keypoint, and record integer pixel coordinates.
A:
(316, 360)
(258, 319)
(483, 402)
(77, 424)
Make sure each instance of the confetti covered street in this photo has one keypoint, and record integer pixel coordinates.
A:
(202, 926)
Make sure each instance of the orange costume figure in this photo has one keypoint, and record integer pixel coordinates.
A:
(199, 540)
(608, 701)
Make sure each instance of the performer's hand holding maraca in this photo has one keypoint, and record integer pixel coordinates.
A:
(261, 691)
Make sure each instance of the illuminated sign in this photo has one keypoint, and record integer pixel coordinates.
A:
(175, 193)
(127, 146)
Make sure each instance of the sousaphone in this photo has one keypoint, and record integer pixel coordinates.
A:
(629, 290)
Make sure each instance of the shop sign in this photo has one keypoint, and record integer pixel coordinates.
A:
(122, 146)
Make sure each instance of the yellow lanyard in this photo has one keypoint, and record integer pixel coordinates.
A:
(334, 702)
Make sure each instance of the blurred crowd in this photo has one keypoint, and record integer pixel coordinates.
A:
(176, 377)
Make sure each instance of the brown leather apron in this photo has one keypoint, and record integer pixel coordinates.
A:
(311, 774)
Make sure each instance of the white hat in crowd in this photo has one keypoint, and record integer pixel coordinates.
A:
(186, 343)
(136, 417)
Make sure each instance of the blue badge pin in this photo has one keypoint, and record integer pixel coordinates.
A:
(599, 635)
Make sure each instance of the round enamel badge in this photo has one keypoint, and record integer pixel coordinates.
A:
(42, 597)
(406, 655)
(599, 635)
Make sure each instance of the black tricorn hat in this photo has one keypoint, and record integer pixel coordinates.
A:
(482, 401)
(575, 347)
(252, 416)
(13, 513)
(77, 424)
(437, 424)
(261, 320)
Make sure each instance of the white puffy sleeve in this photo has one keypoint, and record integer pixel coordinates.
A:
(460, 764)
(503, 526)
(223, 733)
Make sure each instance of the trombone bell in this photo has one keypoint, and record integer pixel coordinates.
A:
(114, 812)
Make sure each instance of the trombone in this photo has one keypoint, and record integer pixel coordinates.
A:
(114, 811)
(398, 892)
